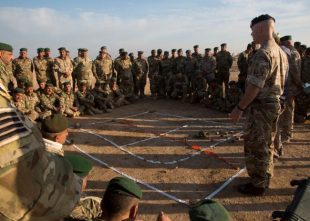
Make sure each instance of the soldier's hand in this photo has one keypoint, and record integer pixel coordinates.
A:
(163, 217)
(236, 114)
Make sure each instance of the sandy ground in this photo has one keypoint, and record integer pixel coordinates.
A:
(140, 146)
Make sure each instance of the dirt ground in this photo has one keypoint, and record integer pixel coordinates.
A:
(154, 141)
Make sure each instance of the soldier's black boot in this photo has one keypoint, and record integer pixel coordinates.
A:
(250, 189)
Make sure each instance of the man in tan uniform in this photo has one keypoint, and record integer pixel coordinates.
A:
(23, 66)
(103, 66)
(63, 67)
(40, 65)
(264, 85)
(83, 68)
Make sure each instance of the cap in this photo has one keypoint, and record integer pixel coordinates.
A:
(42, 80)
(82, 82)
(140, 52)
(216, 48)
(80, 165)
(223, 44)
(84, 49)
(47, 49)
(19, 90)
(124, 186)
(208, 210)
(207, 49)
(62, 49)
(121, 50)
(180, 50)
(55, 123)
(49, 84)
(286, 38)
(28, 84)
(159, 51)
(40, 50)
(173, 50)
(261, 18)
(23, 49)
(166, 52)
(196, 46)
(188, 51)
(103, 47)
(5, 47)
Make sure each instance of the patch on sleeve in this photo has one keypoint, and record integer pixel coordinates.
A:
(12, 127)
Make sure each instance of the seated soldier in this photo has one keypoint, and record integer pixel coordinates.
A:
(233, 96)
(120, 200)
(49, 101)
(101, 101)
(68, 101)
(19, 99)
(213, 98)
(32, 102)
(107, 94)
(199, 88)
(21, 82)
(86, 101)
(180, 84)
(157, 86)
(41, 89)
(208, 210)
(127, 89)
(116, 95)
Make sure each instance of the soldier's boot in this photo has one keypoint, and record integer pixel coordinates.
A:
(250, 189)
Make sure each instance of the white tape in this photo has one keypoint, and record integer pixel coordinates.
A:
(210, 196)
(133, 115)
(132, 178)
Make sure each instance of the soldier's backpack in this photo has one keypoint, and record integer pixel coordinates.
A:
(299, 209)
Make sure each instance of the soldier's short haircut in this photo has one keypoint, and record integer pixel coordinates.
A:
(114, 204)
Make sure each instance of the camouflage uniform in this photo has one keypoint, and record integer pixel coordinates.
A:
(267, 71)
(199, 89)
(86, 102)
(305, 69)
(67, 108)
(197, 56)
(208, 66)
(88, 208)
(124, 69)
(190, 67)
(180, 86)
(33, 106)
(233, 97)
(63, 68)
(50, 73)
(101, 100)
(153, 68)
(163, 77)
(49, 104)
(83, 70)
(178, 65)
(116, 95)
(21, 105)
(243, 69)
(103, 69)
(127, 89)
(6, 76)
(213, 98)
(35, 185)
(140, 69)
(224, 62)
(22, 68)
(40, 67)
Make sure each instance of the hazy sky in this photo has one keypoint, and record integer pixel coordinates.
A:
(144, 25)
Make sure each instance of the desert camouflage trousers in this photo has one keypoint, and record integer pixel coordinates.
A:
(260, 130)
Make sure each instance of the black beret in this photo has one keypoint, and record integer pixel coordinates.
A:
(159, 51)
(207, 49)
(55, 123)
(123, 53)
(286, 38)
(188, 51)
(215, 48)
(261, 18)
(84, 49)
(6, 47)
(308, 51)
(303, 46)
(174, 50)
(166, 52)
(121, 50)
(140, 52)
(23, 49)
(196, 46)
(249, 46)
(130, 54)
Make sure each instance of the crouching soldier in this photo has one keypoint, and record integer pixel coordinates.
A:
(49, 101)
(233, 96)
(86, 100)
(116, 95)
(68, 101)
(180, 84)
(127, 89)
(32, 102)
(213, 98)
(101, 101)
(199, 87)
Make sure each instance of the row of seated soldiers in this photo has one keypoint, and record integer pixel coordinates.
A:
(47, 99)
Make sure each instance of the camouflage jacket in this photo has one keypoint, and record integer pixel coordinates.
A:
(208, 65)
(190, 66)
(40, 67)
(305, 69)
(22, 68)
(140, 68)
(32, 101)
(123, 66)
(67, 100)
(243, 63)
(267, 71)
(48, 103)
(103, 68)
(294, 79)
(6, 75)
(224, 61)
(200, 84)
(85, 98)
(21, 105)
(127, 90)
(178, 65)
(153, 64)
(165, 68)
(198, 56)
(63, 66)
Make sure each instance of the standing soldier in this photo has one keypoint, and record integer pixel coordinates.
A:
(83, 68)
(103, 66)
(292, 89)
(40, 65)
(49, 101)
(208, 66)
(116, 95)
(123, 67)
(101, 100)
(23, 66)
(32, 102)
(243, 60)
(68, 101)
(264, 86)
(165, 74)
(63, 67)
(159, 55)
(140, 69)
(153, 68)
(190, 67)
(215, 51)
(6, 74)
(127, 89)
(305, 67)
(224, 62)
(178, 63)
(173, 54)
(199, 88)
(50, 73)
(196, 53)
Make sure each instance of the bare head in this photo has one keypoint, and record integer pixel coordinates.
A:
(263, 28)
